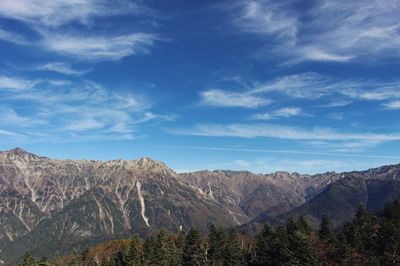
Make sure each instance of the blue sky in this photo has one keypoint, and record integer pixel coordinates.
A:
(256, 85)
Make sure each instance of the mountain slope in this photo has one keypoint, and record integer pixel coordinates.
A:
(51, 207)
(341, 199)
(248, 195)
(60, 203)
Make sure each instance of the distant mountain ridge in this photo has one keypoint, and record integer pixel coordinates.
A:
(50, 206)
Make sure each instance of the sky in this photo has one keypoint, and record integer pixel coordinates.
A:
(305, 86)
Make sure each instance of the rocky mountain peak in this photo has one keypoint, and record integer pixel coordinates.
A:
(17, 150)
(19, 153)
(150, 164)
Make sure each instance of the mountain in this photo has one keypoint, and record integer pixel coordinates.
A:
(247, 195)
(50, 207)
(340, 199)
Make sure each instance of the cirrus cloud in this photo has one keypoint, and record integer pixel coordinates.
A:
(335, 31)
(280, 132)
(221, 98)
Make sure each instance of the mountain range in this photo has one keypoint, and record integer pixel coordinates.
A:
(50, 207)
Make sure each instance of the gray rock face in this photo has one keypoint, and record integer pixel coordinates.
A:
(247, 195)
(45, 203)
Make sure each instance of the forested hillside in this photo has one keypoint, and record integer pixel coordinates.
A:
(369, 239)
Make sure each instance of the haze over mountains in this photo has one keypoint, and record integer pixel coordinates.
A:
(51, 207)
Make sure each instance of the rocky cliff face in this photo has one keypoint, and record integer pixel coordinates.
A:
(46, 202)
(247, 195)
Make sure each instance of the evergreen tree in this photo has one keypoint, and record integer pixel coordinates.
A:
(324, 232)
(364, 234)
(28, 260)
(233, 253)
(193, 251)
(135, 253)
(272, 247)
(303, 225)
(343, 253)
(303, 252)
(179, 244)
(43, 262)
(165, 251)
(149, 252)
(264, 254)
(388, 247)
(216, 243)
(87, 259)
(326, 248)
(119, 259)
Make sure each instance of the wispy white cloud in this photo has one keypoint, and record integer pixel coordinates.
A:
(15, 83)
(337, 103)
(8, 133)
(315, 54)
(284, 112)
(282, 151)
(53, 13)
(55, 22)
(216, 97)
(280, 132)
(12, 37)
(63, 68)
(343, 146)
(76, 110)
(336, 116)
(308, 85)
(99, 47)
(392, 105)
(84, 124)
(10, 117)
(266, 18)
(337, 31)
(149, 116)
(383, 92)
(303, 86)
(315, 86)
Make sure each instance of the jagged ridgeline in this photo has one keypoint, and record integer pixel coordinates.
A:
(51, 207)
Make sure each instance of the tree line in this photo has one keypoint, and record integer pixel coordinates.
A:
(369, 239)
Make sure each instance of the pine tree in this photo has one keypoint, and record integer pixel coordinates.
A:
(149, 252)
(164, 252)
(326, 240)
(135, 252)
(193, 251)
(216, 243)
(324, 232)
(28, 260)
(303, 225)
(343, 253)
(179, 244)
(272, 247)
(86, 259)
(364, 233)
(233, 253)
(300, 246)
(119, 259)
(43, 262)
(263, 249)
(388, 247)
